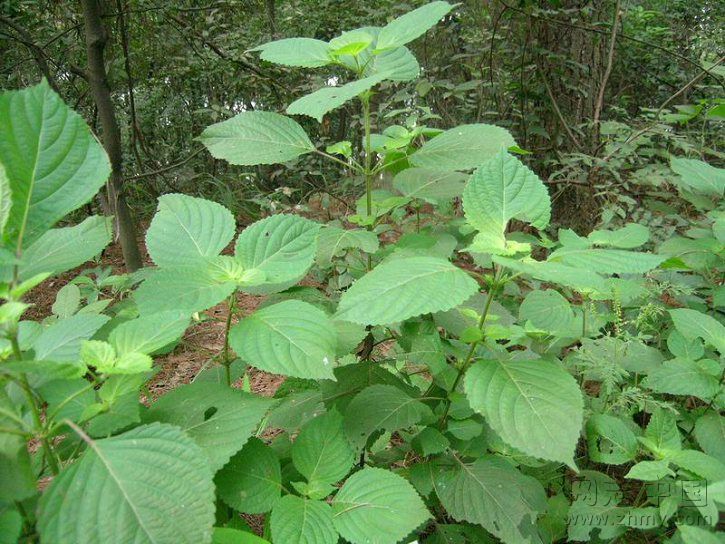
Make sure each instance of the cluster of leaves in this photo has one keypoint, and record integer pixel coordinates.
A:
(445, 386)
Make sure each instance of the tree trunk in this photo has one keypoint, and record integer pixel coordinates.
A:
(572, 66)
(96, 38)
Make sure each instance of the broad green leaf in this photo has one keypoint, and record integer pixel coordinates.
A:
(463, 147)
(644, 518)
(324, 100)
(333, 241)
(225, 535)
(302, 521)
(694, 324)
(699, 177)
(376, 506)
(661, 432)
(343, 148)
(98, 354)
(381, 407)
(492, 493)
(690, 534)
(697, 254)
(577, 278)
(42, 371)
(6, 200)
(534, 406)
(353, 378)
(53, 163)
(630, 236)
(252, 480)
(256, 137)
(430, 441)
(349, 336)
(682, 377)
(291, 338)
(295, 409)
(501, 189)
(569, 238)
(150, 485)
(131, 363)
(698, 463)
(61, 341)
(186, 229)
(467, 315)
(219, 419)
(352, 42)
(17, 475)
(301, 52)
(321, 452)
(607, 261)
(120, 396)
(405, 287)
(282, 247)
(610, 441)
(650, 471)
(397, 64)
(58, 250)
(67, 301)
(413, 24)
(595, 506)
(710, 434)
(103, 357)
(11, 525)
(185, 289)
(547, 311)
(149, 333)
(435, 186)
(684, 348)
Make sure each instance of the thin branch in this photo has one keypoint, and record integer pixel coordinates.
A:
(135, 132)
(165, 168)
(24, 37)
(568, 130)
(355, 167)
(607, 71)
(221, 54)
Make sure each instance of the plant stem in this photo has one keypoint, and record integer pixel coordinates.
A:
(35, 410)
(354, 165)
(227, 327)
(472, 350)
(368, 157)
(365, 99)
(584, 318)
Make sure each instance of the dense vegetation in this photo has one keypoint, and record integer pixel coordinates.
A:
(492, 273)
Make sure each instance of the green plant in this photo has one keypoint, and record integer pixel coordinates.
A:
(438, 389)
